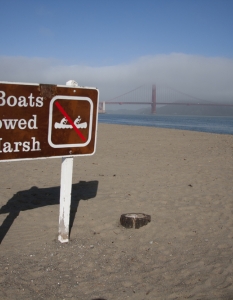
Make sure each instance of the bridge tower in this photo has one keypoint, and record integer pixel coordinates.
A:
(153, 100)
(102, 109)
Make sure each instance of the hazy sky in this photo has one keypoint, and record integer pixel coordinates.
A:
(118, 45)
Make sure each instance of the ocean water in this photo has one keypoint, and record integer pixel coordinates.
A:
(221, 125)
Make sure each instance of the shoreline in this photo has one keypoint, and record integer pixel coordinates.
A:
(209, 124)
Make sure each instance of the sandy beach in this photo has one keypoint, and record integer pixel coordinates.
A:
(182, 179)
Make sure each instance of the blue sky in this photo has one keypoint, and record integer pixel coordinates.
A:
(113, 38)
(105, 32)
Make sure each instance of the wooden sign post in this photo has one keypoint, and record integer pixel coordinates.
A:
(45, 121)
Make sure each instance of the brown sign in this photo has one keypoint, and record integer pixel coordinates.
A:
(39, 121)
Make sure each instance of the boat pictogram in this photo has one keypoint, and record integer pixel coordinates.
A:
(63, 124)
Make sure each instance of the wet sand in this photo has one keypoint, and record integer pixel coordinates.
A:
(182, 179)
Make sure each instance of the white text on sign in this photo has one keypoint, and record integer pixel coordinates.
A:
(10, 124)
(21, 124)
(21, 101)
(20, 146)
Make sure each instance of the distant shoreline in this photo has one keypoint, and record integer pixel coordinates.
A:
(211, 124)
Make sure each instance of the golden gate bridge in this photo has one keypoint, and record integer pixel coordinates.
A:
(156, 95)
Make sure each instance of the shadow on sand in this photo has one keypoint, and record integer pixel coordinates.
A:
(37, 197)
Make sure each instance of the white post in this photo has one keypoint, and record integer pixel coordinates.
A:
(103, 106)
(65, 192)
(65, 199)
